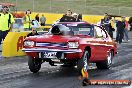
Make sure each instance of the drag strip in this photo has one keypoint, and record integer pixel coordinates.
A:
(14, 72)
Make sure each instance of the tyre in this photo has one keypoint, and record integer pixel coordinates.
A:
(107, 63)
(83, 60)
(34, 64)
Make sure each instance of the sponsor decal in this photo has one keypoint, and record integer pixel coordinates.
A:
(20, 42)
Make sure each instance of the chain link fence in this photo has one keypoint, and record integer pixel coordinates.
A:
(60, 6)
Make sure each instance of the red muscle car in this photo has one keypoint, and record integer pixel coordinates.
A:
(70, 44)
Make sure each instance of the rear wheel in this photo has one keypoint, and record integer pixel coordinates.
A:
(34, 64)
(107, 63)
(83, 62)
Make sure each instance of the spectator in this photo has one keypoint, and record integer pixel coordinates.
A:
(6, 22)
(68, 17)
(106, 22)
(76, 16)
(125, 29)
(34, 32)
(130, 22)
(35, 24)
(27, 21)
(80, 17)
(69, 13)
(42, 20)
(120, 31)
(111, 28)
(37, 17)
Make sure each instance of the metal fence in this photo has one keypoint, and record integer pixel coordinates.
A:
(60, 6)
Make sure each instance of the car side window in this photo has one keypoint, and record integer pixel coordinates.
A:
(98, 32)
(103, 34)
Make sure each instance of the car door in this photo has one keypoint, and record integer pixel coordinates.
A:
(100, 43)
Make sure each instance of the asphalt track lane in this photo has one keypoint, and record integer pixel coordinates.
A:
(14, 72)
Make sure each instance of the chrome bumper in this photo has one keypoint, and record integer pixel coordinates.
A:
(51, 50)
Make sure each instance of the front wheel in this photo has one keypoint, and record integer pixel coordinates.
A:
(83, 62)
(107, 63)
(34, 64)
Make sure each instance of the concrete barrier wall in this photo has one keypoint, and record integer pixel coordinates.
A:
(13, 44)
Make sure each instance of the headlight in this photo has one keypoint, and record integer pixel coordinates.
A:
(28, 43)
(73, 44)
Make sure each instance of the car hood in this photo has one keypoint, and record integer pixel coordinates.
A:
(53, 38)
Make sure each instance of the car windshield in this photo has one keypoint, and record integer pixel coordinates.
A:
(72, 29)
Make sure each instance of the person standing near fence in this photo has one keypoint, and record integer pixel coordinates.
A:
(130, 22)
(78, 17)
(126, 38)
(37, 17)
(42, 20)
(120, 30)
(6, 22)
(27, 21)
(106, 22)
(111, 27)
(33, 33)
(68, 17)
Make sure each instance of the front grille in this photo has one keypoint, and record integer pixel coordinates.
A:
(45, 44)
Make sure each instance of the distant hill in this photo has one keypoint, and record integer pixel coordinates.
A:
(96, 7)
